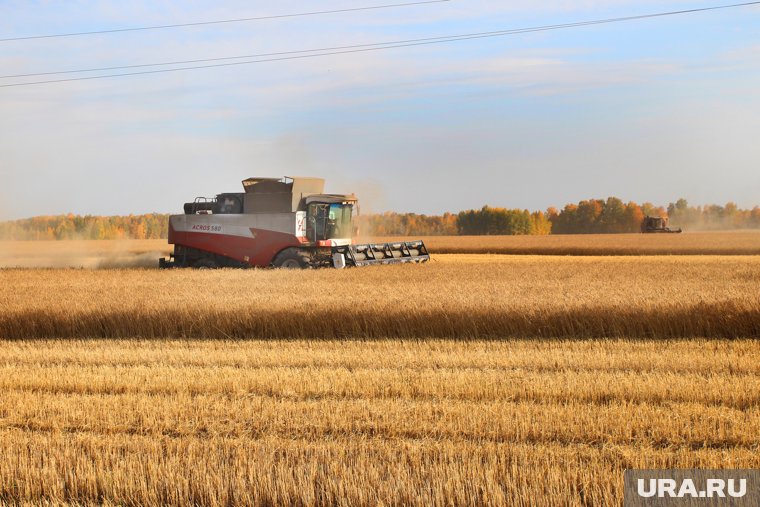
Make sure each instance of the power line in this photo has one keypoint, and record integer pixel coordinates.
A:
(375, 45)
(382, 45)
(357, 48)
(217, 22)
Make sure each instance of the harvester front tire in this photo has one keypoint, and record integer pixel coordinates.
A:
(292, 258)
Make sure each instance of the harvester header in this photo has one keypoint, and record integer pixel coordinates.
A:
(282, 222)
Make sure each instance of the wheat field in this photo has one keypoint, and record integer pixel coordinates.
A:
(412, 422)
(109, 254)
(688, 243)
(470, 380)
(455, 296)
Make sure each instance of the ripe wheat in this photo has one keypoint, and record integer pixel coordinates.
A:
(689, 243)
(457, 296)
(265, 421)
(144, 253)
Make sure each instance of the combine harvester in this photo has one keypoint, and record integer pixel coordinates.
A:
(285, 223)
(657, 225)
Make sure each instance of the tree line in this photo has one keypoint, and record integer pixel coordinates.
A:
(712, 216)
(58, 227)
(598, 216)
(593, 216)
(408, 224)
(494, 221)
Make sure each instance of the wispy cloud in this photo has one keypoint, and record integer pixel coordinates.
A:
(609, 106)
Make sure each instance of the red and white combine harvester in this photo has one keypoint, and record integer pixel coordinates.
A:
(286, 223)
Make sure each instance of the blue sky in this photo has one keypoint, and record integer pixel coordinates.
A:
(649, 110)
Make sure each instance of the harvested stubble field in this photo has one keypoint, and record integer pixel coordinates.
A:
(90, 254)
(386, 422)
(469, 380)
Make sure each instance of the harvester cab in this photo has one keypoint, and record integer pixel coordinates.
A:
(329, 217)
(288, 222)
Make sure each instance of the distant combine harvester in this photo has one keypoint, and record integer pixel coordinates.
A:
(657, 225)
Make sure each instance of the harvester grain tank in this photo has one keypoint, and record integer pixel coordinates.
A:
(657, 225)
(287, 223)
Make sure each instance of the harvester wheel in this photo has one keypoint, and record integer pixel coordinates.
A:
(206, 264)
(292, 258)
